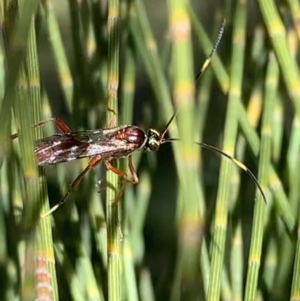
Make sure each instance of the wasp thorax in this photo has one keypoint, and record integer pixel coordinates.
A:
(131, 134)
(153, 142)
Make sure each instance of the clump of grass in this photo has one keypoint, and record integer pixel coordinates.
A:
(188, 230)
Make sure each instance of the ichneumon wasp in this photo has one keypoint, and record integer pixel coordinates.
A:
(103, 145)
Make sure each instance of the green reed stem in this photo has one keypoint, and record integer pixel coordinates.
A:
(223, 196)
(60, 57)
(189, 215)
(288, 65)
(264, 163)
(295, 290)
(28, 112)
(15, 55)
(113, 230)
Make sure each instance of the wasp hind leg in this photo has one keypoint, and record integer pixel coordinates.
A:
(91, 164)
(59, 124)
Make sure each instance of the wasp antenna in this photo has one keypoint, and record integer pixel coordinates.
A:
(167, 126)
(235, 161)
(169, 140)
(51, 210)
(207, 61)
(238, 163)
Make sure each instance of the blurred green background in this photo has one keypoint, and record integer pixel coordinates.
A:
(195, 227)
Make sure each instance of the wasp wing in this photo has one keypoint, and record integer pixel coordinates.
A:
(67, 147)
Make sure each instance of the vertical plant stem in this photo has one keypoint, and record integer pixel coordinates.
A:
(288, 65)
(264, 165)
(189, 216)
(295, 11)
(60, 58)
(113, 230)
(282, 203)
(295, 290)
(15, 55)
(220, 221)
(28, 112)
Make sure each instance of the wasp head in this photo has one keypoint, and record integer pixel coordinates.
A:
(153, 140)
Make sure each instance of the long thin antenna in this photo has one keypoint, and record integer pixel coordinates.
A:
(207, 146)
(238, 163)
(167, 125)
(204, 66)
(208, 60)
(235, 161)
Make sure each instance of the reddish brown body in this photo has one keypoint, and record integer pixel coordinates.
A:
(101, 145)
(108, 143)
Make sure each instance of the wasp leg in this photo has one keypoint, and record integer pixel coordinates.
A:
(59, 124)
(123, 175)
(91, 164)
(132, 171)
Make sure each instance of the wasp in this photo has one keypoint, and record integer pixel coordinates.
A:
(103, 145)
